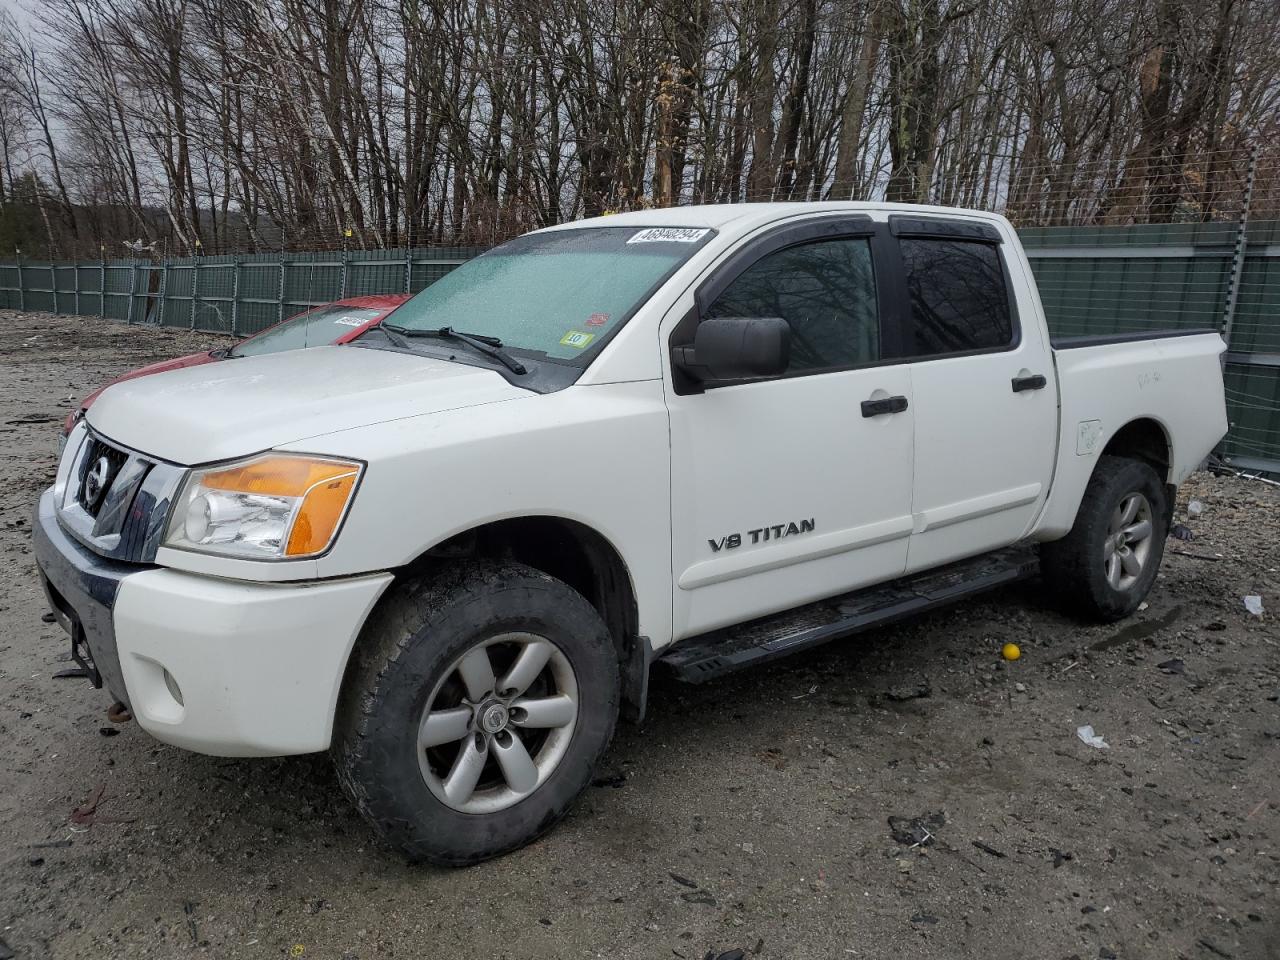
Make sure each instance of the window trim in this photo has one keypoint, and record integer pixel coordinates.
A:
(947, 231)
(840, 226)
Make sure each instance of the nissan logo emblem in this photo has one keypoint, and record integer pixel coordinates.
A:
(95, 481)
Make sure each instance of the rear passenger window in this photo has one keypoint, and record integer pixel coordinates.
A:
(958, 296)
(825, 290)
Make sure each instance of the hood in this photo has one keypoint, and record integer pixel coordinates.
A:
(177, 363)
(222, 410)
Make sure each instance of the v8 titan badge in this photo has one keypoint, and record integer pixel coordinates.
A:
(577, 339)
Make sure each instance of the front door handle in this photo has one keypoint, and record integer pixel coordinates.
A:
(874, 408)
(1034, 382)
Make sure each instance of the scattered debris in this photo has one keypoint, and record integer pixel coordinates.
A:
(1011, 651)
(683, 881)
(773, 757)
(909, 691)
(1060, 857)
(50, 844)
(1087, 736)
(86, 815)
(923, 918)
(988, 849)
(1253, 603)
(109, 731)
(1181, 531)
(1213, 948)
(1195, 508)
(916, 831)
(1174, 667)
(615, 780)
(5, 952)
(72, 673)
(699, 896)
(1020, 688)
(189, 909)
(35, 861)
(1196, 556)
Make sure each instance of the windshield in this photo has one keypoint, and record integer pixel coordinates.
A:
(560, 293)
(315, 328)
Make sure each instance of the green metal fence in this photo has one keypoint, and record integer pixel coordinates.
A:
(1092, 280)
(240, 295)
(1097, 280)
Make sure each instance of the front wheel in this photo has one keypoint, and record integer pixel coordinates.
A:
(1106, 565)
(475, 714)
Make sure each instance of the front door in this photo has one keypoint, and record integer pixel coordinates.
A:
(787, 490)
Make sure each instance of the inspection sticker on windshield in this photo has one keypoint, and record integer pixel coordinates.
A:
(576, 338)
(669, 235)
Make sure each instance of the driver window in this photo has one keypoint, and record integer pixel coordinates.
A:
(826, 291)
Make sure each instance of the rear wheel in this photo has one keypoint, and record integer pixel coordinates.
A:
(1106, 565)
(476, 712)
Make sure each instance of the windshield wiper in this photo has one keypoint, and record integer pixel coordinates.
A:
(490, 346)
(391, 335)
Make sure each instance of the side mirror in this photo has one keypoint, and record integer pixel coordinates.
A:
(736, 348)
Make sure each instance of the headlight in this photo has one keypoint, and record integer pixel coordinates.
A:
(274, 506)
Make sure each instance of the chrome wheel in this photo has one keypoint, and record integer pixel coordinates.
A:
(498, 723)
(1128, 542)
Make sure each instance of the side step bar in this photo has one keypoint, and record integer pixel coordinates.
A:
(732, 648)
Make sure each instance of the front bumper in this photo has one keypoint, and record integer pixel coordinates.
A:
(223, 667)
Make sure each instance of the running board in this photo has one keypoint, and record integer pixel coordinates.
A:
(768, 638)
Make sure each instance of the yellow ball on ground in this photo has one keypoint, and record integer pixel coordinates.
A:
(1010, 651)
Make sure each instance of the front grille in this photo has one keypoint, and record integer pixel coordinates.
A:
(99, 468)
(114, 500)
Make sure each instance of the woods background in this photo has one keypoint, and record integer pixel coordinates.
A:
(207, 126)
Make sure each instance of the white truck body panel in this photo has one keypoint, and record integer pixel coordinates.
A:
(1176, 382)
(822, 499)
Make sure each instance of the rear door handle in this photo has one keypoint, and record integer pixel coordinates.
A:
(874, 408)
(1034, 382)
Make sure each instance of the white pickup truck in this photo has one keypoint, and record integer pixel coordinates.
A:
(451, 551)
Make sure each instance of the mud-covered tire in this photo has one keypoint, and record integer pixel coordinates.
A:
(1078, 569)
(409, 652)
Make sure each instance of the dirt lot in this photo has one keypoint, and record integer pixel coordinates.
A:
(749, 813)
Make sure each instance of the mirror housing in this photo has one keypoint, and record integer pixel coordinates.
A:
(736, 348)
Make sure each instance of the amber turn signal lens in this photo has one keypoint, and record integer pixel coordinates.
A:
(318, 517)
(277, 476)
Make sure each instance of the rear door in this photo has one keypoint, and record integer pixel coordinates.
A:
(986, 415)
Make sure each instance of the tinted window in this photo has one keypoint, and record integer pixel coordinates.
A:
(958, 297)
(315, 328)
(826, 291)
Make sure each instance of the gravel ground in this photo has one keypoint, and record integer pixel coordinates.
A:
(749, 813)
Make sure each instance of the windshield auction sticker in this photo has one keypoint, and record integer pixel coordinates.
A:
(669, 235)
(577, 339)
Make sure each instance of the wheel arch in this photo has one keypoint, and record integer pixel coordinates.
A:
(1148, 440)
(574, 553)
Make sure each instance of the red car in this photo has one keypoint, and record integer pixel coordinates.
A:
(335, 322)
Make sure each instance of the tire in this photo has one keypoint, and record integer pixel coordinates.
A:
(1081, 568)
(419, 649)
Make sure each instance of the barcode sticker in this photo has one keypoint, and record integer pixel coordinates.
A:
(669, 235)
